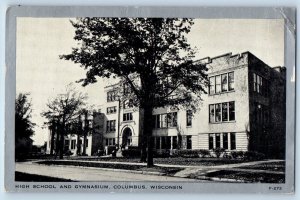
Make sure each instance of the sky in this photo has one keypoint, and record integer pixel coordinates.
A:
(40, 41)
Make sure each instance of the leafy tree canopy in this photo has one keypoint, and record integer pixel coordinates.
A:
(151, 55)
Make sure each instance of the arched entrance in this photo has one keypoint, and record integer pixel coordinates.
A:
(127, 138)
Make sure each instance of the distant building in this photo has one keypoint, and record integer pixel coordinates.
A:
(244, 110)
(73, 143)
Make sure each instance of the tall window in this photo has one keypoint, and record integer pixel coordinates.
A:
(212, 85)
(174, 142)
(224, 82)
(189, 142)
(230, 81)
(165, 120)
(111, 126)
(225, 140)
(221, 83)
(218, 84)
(218, 141)
(127, 117)
(189, 115)
(111, 96)
(73, 144)
(222, 112)
(211, 141)
(157, 142)
(232, 141)
(111, 110)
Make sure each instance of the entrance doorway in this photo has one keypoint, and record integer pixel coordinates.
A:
(127, 138)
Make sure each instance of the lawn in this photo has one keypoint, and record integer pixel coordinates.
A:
(169, 161)
(272, 166)
(164, 170)
(24, 177)
(248, 177)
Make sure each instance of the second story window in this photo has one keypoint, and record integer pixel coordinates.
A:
(111, 110)
(222, 112)
(127, 117)
(189, 115)
(165, 120)
(111, 126)
(221, 83)
(260, 85)
(111, 96)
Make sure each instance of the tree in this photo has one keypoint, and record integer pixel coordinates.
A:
(64, 109)
(150, 55)
(23, 125)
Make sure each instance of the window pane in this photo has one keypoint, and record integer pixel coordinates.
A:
(231, 111)
(212, 113)
(218, 112)
(225, 140)
(211, 85)
(218, 141)
(225, 111)
(232, 141)
(224, 83)
(174, 142)
(189, 118)
(218, 84)
(231, 81)
(254, 82)
(157, 143)
(211, 141)
(168, 142)
(164, 121)
(189, 142)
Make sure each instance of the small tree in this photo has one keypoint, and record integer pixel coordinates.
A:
(23, 125)
(64, 108)
(150, 55)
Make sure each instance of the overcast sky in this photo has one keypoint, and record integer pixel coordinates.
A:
(41, 73)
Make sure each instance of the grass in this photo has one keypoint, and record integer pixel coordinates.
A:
(272, 166)
(164, 170)
(170, 161)
(248, 177)
(24, 177)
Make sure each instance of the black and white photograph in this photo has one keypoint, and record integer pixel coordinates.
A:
(150, 99)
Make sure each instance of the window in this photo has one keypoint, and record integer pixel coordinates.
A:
(222, 112)
(111, 110)
(225, 140)
(230, 81)
(163, 142)
(218, 84)
(174, 142)
(218, 112)
(111, 96)
(211, 141)
(224, 82)
(260, 85)
(168, 142)
(218, 141)
(189, 142)
(127, 117)
(212, 113)
(111, 126)
(86, 143)
(73, 144)
(128, 104)
(106, 142)
(212, 85)
(232, 141)
(165, 120)
(114, 141)
(221, 83)
(189, 115)
(172, 119)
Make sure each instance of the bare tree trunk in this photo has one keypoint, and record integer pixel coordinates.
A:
(53, 128)
(78, 151)
(58, 130)
(148, 134)
(62, 137)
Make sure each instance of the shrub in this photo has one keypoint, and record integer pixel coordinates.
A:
(188, 153)
(163, 154)
(109, 149)
(247, 155)
(218, 152)
(131, 153)
(203, 153)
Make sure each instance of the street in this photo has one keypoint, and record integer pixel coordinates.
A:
(91, 174)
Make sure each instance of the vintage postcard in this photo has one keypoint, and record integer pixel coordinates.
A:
(149, 99)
